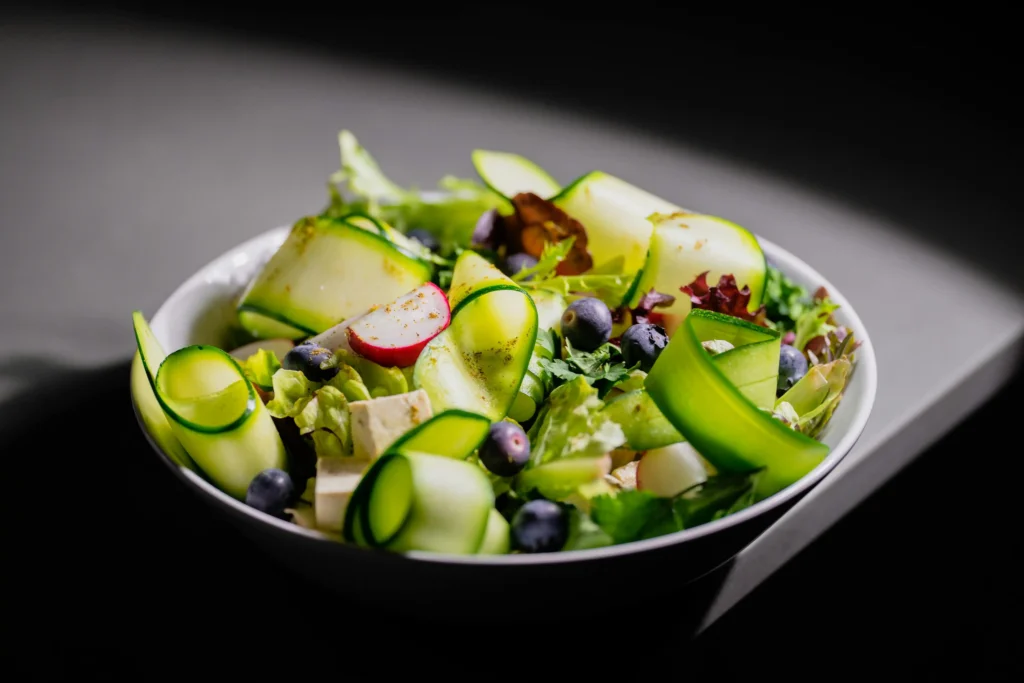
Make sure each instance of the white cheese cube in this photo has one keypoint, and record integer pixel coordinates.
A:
(377, 423)
(336, 479)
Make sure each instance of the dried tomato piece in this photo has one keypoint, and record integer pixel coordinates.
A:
(536, 222)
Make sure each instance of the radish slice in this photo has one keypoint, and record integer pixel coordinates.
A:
(393, 335)
(669, 471)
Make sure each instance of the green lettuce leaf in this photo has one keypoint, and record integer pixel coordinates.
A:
(451, 217)
(571, 425)
(379, 380)
(815, 321)
(553, 254)
(584, 533)
(609, 288)
(260, 367)
(784, 300)
(292, 391)
(348, 382)
(326, 416)
(633, 515)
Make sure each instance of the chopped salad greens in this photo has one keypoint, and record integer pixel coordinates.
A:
(506, 365)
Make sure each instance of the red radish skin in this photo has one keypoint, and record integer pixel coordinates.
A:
(395, 334)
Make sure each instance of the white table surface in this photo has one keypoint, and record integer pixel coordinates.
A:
(130, 159)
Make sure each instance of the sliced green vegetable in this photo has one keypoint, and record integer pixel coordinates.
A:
(326, 271)
(614, 214)
(478, 363)
(550, 307)
(509, 174)
(415, 501)
(453, 434)
(148, 357)
(214, 412)
(641, 421)
(497, 537)
(684, 245)
(560, 479)
(722, 424)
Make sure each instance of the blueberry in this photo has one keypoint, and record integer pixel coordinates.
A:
(424, 237)
(489, 230)
(505, 450)
(792, 366)
(315, 362)
(516, 262)
(270, 491)
(643, 344)
(587, 323)
(540, 526)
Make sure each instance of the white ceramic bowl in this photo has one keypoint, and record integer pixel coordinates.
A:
(201, 311)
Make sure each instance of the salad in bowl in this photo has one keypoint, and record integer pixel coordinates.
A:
(505, 366)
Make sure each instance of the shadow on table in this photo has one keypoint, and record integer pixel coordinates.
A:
(121, 568)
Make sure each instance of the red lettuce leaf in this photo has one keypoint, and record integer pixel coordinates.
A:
(725, 297)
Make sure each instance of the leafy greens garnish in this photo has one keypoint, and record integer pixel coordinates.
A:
(572, 425)
(450, 217)
(815, 321)
(633, 515)
(554, 253)
(260, 367)
(784, 300)
(609, 288)
(602, 368)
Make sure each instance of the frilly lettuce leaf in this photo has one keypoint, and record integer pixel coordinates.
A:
(633, 515)
(451, 217)
(379, 380)
(292, 391)
(815, 321)
(326, 417)
(348, 382)
(553, 254)
(572, 426)
(260, 367)
(609, 288)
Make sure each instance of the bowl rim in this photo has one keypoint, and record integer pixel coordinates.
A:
(866, 371)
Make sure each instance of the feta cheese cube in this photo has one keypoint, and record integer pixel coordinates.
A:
(377, 423)
(336, 479)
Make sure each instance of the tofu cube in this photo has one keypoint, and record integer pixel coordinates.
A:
(336, 479)
(377, 423)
